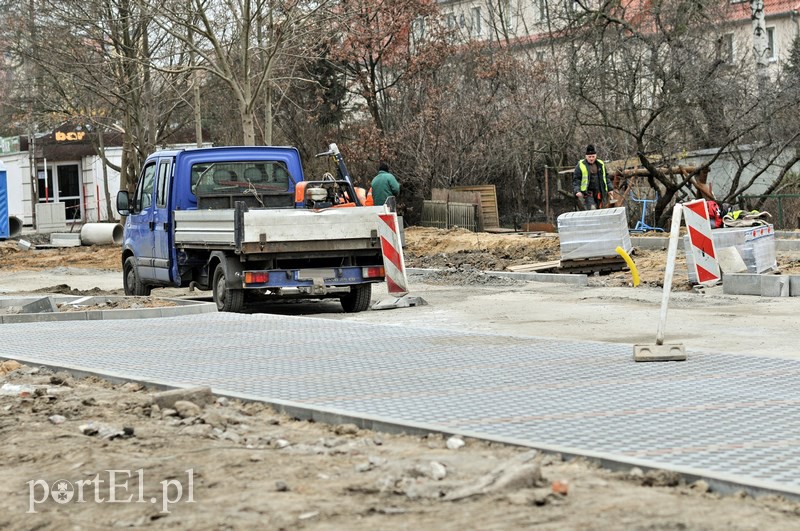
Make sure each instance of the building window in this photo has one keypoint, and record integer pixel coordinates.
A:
(418, 28)
(452, 21)
(542, 10)
(477, 29)
(726, 50)
(771, 55)
(501, 16)
(507, 14)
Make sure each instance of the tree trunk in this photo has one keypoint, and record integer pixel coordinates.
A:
(198, 119)
(101, 141)
(248, 125)
(268, 115)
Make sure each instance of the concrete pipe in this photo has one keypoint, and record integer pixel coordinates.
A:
(101, 234)
(14, 226)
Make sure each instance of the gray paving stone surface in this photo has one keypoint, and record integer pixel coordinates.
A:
(725, 415)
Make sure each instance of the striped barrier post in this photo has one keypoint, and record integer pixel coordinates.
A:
(702, 244)
(393, 262)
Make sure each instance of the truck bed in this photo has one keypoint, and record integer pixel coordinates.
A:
(279, 230)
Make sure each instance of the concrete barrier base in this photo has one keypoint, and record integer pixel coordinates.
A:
(761, 285)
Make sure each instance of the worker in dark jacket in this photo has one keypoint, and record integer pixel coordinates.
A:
(590, 181)
(384, 185)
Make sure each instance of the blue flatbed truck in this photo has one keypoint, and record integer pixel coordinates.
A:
(244, 220)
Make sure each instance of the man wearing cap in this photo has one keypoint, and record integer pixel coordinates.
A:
(590, 181)
(384, 185)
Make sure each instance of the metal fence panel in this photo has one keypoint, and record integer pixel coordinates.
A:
(443, 215)
(784, 209)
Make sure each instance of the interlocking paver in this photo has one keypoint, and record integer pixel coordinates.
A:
(723, 415)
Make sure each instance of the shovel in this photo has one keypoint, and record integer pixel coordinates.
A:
(660, 351)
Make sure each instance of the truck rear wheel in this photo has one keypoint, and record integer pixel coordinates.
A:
(227, 300)
(358, 299)
(131, 281)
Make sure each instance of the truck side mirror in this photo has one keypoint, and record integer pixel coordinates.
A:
(123, 203)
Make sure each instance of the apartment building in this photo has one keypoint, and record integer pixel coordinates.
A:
(535, 22)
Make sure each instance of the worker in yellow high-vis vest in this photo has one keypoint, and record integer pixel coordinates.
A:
(590, 181)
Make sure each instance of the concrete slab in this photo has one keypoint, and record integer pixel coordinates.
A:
(572, 279)
(407, 301)
(787, 245)
(774, 286)
(783, 243)
(43, 305)
(794, 285)
(65, 239)
(730, 260)
(653, 242)
(742, 284)
(27, 304)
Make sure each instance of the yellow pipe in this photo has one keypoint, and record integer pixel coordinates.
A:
(631, 265)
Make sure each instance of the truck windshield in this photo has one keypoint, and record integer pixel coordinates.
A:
(235, 178)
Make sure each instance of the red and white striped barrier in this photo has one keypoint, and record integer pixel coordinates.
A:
(393, 262)
(702, 244)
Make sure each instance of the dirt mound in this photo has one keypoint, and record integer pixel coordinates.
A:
(436, 248)
(466, 275)
(460, 253)
(12, 258)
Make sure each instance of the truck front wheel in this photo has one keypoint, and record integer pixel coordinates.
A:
(131, 281)
(228, 300)
(358, 299)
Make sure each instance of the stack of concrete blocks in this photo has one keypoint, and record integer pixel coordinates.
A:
(593, 233)
(756, 245)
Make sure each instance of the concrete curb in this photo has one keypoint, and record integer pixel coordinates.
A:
(761, 285)
(183, 307)
(781, 245)
(575, 280)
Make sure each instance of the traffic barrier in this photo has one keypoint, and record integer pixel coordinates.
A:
(393, 262)
(702, 244)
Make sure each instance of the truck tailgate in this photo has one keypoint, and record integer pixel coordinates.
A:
(309, 225)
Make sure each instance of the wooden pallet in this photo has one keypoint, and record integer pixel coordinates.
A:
(588, 266)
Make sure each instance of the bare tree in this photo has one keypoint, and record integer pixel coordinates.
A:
(640, 82)
(377, 48)
(97, 70)
(250, 45)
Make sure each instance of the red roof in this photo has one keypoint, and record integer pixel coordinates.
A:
(735, 10)
(741, 10)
